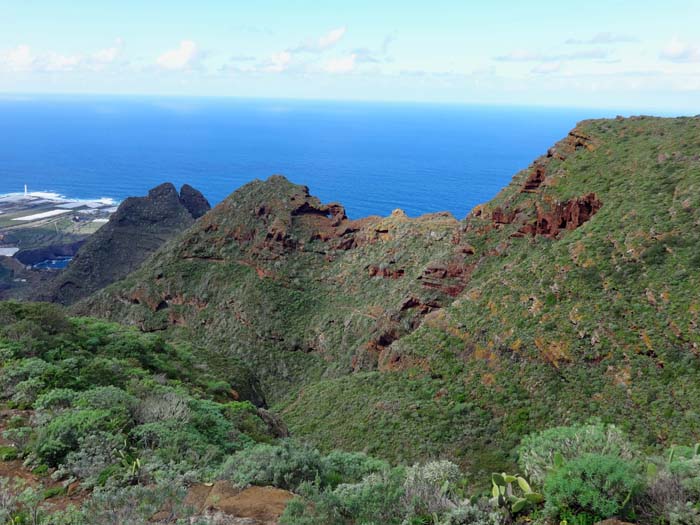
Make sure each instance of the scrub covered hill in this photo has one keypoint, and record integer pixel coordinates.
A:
(573, 293)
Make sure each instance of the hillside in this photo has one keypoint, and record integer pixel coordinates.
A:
(137, 229)
(573, 293)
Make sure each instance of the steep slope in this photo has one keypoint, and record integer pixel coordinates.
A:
(293, 285)
(137, 229)
(574, 293)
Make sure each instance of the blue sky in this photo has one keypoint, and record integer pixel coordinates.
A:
(622, 54)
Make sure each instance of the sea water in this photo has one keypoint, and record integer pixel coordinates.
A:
(372, 157)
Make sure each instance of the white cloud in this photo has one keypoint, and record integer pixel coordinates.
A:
(388, 40)
(186, 56)
(603, 38)
(367, 55)
(17, 59)
(519, 55)
(58, 62)
(341, 65)
(522, 55)
(22, 59)
(109, 54)
(679, 51)
(323, 43)
(278, 62)
(547, 68)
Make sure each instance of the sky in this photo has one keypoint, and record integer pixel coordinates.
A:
(641, 54)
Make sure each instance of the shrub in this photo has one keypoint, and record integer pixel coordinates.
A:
(8, 499)
(106, 398)
(248, 421)
(56, 399)
(684, 464)
(21, 437)
(27, 391)
(96, 452)
(349, 467)
(377, 499)
(8, 453)
(672, 491)
(662, 497)
(593, 484)
(14, 373)
(537, 452)
(479, 513)
(162, 406)
(136, 505)
(316, 507)
(172, 441)
(428, 488)
(285, 466)
(61, 435)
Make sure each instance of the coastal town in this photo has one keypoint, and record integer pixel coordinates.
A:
(27, 212)
(41, 231)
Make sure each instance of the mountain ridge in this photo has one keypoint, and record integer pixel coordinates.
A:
(410, 338)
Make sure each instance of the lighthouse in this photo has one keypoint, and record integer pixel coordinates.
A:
(25, 190)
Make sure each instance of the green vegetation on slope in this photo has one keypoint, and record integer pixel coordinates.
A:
(106, 399)
(572, 294)
(601, 320)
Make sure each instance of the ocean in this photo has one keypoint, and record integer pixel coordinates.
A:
(371, 157)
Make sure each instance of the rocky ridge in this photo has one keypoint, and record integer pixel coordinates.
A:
(138, 228)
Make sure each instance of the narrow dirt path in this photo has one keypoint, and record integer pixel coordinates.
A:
(16, 470)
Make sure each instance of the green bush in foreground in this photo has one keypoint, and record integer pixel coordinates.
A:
(537, 452)
(286, 466)
(600, 486)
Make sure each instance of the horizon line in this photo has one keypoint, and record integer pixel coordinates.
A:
(624, 111)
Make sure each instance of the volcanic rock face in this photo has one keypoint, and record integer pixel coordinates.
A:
(137, 229)
(193, 200)
(567, 215)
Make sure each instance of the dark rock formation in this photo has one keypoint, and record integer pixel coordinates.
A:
(137, 229)
(194, 201)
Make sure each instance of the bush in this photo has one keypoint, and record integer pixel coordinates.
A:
(137, 505)
(349, 467)
(63, 433)
(162, 406)
(56, 399)
(429, 488)
(596, 485)
(467, 513)
(316, 507)
(27, 391)
(8, 453)
(670, 494)
(96, 452)
(662, 497)
(377, 499)
(684, 464)
(109, 398)
(285, 466)
(537, 452)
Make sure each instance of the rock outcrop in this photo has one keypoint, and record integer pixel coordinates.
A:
(138, 228)
(193, 200)
(561, 216)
